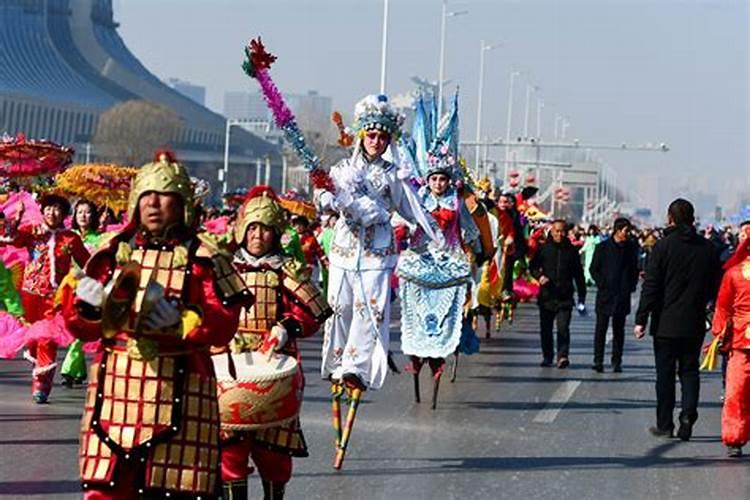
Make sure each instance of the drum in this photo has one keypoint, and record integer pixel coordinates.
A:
(266, 393)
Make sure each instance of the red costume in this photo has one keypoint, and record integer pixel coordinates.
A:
(51, 252)
(732, 320)
(150, 425)
(285, 297)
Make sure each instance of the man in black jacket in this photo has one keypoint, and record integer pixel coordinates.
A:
(681, 278)
(614, 269)
(557, 265)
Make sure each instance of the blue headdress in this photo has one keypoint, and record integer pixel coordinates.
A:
(435, 146)
(374, 112)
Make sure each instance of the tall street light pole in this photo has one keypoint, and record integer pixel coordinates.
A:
(539, 106)
(508, 124)
(482, 49)
(384, 48)
(529, 88)
(441, 73)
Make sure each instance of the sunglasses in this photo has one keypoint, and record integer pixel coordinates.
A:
(377, 135)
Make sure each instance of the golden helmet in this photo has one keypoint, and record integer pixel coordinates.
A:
(163, 175)
(262, 205)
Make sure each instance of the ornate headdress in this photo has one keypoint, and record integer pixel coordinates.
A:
(373, 112)
(262, 205)
(440, 159)
(163, 175)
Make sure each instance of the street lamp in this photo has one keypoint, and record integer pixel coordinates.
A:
(539, 106)
(445, 14)
(529, 89)
(482, 49)
(384, 48)
(224, 173)
(513, 76)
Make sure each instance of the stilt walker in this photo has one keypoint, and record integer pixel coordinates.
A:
(435, 284)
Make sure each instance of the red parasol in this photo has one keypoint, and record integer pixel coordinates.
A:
(20, 157)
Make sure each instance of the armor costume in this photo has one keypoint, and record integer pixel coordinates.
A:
(150, 426)
(285, 296)
(51, 254)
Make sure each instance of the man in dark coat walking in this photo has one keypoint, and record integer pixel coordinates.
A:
(557, 265)
(614, 269)
(682, 276)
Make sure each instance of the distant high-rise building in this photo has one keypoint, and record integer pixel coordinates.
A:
(195, 92)
(311, 110)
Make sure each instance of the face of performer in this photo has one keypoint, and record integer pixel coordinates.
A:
(83, 216)
(558, 232)
(439, 183)
(503, 203)
(375, 143)
(259, 239)
(158, 211)
(53, 215)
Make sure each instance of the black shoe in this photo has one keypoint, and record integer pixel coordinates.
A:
(734, 451)
(656, 432)
(563, 363)
(67, 381)
(617, 368)
(546, 363)
(685, 430)
(597, 367)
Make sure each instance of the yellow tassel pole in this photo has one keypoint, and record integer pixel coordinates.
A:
(709, 359)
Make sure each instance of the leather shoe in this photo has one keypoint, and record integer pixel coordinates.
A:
(563, 363)
(685, 430)
(656, 432)
(734, 451)
(617, 368)
(546, 363)
(597, 368)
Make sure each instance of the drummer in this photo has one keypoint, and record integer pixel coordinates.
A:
(288, 306)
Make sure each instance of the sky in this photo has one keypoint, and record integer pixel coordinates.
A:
(620, 71)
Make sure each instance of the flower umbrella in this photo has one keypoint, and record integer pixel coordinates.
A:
(22, 159)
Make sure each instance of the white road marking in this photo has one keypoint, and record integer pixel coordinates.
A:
(556, 402)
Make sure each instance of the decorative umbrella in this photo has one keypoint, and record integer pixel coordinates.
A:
(104, 184)
(296, 205)
(23, 159)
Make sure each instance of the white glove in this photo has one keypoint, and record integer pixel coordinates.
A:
(163, 315)
(278, 336)
(90, 291)
(326, 200)
(369, 212)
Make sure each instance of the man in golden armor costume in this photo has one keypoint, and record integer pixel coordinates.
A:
(288, 306)
(158, 294)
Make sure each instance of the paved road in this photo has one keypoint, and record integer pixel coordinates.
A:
(506, 429)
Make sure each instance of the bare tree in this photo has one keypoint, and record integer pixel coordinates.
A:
(131, 131)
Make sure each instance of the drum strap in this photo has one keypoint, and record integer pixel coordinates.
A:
(231, 367)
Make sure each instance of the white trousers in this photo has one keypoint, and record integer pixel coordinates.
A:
(356, 336)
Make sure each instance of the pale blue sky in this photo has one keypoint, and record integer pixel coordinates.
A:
(620, 70)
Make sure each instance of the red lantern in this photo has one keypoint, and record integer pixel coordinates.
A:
(530, 179)
(514, 182)
(514, 173)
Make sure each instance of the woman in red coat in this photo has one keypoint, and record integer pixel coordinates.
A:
(732, 322)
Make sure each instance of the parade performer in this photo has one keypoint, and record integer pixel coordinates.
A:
(86, 225)
(158, 294)
(289, 306)
(730, 327)
(365, 190)
(52, 250)
(435, 286)
(363, 255)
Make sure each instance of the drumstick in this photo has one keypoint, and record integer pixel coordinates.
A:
(354, 398)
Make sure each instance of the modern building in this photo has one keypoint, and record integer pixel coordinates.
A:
(63, 63)
(312, 110)
(196, 93)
